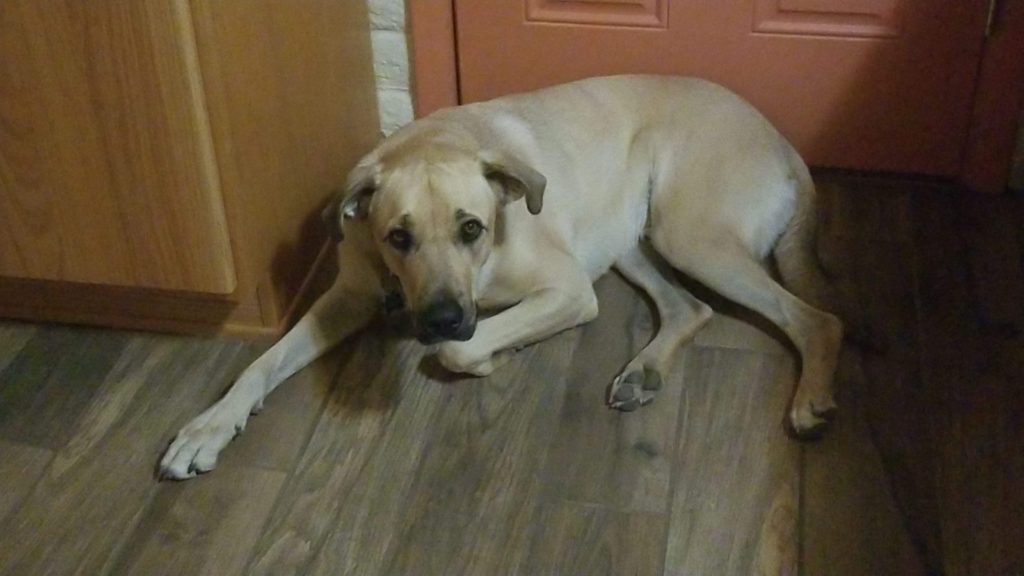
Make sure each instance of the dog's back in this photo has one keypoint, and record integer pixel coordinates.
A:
(627, 153)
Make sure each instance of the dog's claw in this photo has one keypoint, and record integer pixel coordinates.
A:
(627, 406)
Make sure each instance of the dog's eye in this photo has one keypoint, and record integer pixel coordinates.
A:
(471, 230)
(400, 240)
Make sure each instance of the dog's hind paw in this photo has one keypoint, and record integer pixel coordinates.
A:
(634, 388)
(809, 420)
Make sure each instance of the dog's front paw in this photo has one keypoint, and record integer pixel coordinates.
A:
(460, 357)
(194, 450)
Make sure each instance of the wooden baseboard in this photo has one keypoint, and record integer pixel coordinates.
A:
(156, 310)
(123, 307)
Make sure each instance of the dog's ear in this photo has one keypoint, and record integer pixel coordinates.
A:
(353, 201)
(512, 179)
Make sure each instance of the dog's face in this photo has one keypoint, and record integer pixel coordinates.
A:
(434, 227)
(434, 219)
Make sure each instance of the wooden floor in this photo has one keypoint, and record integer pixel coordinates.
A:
(375, 462)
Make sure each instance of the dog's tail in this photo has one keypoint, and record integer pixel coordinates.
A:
(796, 252)
(797, 258)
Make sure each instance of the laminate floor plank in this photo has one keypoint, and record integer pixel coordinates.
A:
(994, 252)
(207, 527)
(94, 490)
(275, 438)
(736, 476)
(594, 540)
(600, 456)
(972, 368)
(851, 524)
(44, 389)
(20, 469)
(851, 520)
(468, 507)
(13, 337)
(372, 432)
(737, 329)
(868, 209)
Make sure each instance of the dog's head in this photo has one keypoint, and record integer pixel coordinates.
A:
(434, 212)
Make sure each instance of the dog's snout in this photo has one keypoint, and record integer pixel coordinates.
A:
(443, 318)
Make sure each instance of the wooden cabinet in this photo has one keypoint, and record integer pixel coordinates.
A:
(108, 169)
(162, 161)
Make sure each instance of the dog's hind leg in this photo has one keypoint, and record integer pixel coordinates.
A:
(796, 257)
(726, 266)
(680, 315)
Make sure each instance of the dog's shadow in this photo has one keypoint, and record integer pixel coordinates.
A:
(375, 368)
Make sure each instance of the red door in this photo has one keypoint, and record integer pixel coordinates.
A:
(865, 84)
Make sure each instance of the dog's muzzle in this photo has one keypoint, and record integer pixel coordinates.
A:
(445, 319)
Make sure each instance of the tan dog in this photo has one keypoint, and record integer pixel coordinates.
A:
(523, 202)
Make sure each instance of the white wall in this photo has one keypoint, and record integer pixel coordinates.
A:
(390, 62)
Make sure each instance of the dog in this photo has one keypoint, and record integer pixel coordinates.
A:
(519, 204)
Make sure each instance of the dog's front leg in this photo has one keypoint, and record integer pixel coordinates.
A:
(541, 314)
(340, 312)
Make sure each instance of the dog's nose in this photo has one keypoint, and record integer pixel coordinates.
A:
(443, 318)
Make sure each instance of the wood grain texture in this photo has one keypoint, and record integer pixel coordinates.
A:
(852, 518)
(103, 477)
(852, 523)
(292, 106)
(49, 385)
(735, 327)
(287, 92)
(275, 439)
(202, 528)
(736, 474)
(13, 337)
(467, 510)
(20, 468)
(606, 457)
(108, 171)
(971, 367)
(577, 538)
(123, 307)
(381, 408)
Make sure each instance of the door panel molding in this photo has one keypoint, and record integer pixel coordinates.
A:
(849, 18)
(998, 101)
(627, 13)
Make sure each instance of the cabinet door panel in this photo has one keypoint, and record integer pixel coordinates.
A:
(107, 172)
